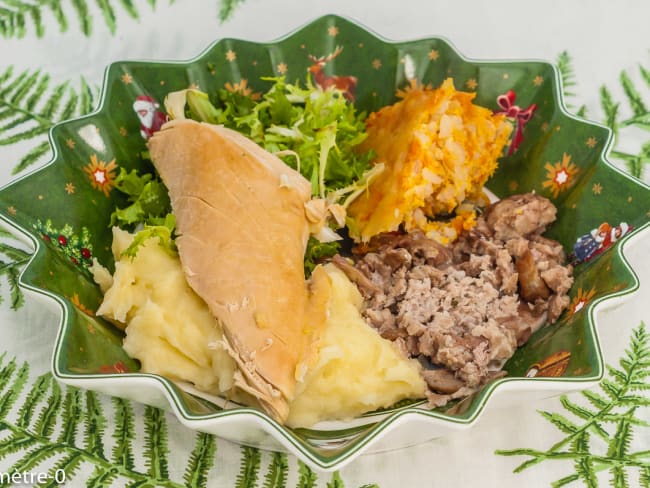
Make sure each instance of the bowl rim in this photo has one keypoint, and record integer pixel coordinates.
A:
(379, 428)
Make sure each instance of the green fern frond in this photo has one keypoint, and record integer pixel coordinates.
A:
(95, 425)
(72, 416)
(307, 477)
(33, 459)
(70, 464)
(611, 389)
(6, 373)
(276, 477)
(47, 418)
(565, 481)
(561, 422)
(30, 106)
(124, 433)
(155, 453)
(633, 96)
(584, 468)
(201, 460)
(17, 442)
(102, 477)
(619, 445)
(36, 394)
(644, 477)
(336, 481)
(227, 8)
(15, 389)
(249, 468)
(610, 108)
(598, 401)
(619, 477)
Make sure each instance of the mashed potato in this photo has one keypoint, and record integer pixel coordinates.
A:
(170, 330)
(357, 370)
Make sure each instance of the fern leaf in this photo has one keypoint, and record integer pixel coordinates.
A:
(596, 400)
(584, 468)
(108, 13)
(336, 481)
(156, 450)
(644, 477)
(33, 459)
(577, 410)
(6, 373)
(47, 417)
(95, 425)
(561, 422)
(201, 460)
(621, 377)
(619, 477)
(17, 297)
(35, 154)
(610, 108)
(37, 392)
(250, 466)
(130, 8)
(101, 477)
(71, 416)
(612, 390)
(16, 443)
(276, 477)
(18, 383)
(30, 106)
(124, 433)
(85, 20)
(59, 15)
(68, 465)
(634, 98)
(227, 8)
(307, 477)
(565, 481)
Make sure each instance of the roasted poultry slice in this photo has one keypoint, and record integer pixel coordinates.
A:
(241, 237)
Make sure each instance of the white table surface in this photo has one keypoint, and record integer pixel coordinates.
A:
(602, 37)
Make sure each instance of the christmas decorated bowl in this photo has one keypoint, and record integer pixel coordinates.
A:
(64, 209)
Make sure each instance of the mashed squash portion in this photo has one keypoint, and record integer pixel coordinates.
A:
(438, 149)
(357, 370)
(169, 329)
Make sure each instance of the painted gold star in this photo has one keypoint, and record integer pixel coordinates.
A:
(471, 84)
(302, 46)
(123, 131)
(376, 63)
(333, 31)
(70, 143)
(162, 82)
(538, 80)
(597, 188)
(506, 76)
(40, 197)
(231, 55)
(360, 44)
(254, 63)
(127, 79)
(69, 188)
(591, 142)
(629, 199)
(557, 128)
(545, 127)
(434, 55)
(648, 213)
(282, 68)
(12, 210)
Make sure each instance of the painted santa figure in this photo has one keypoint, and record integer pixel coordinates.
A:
(151, 119)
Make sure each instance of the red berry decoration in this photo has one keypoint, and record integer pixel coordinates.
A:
(62, 240)
(74, 260)
(85, 252)
(46, 238)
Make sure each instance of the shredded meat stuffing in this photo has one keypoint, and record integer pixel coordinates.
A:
(463, 310)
